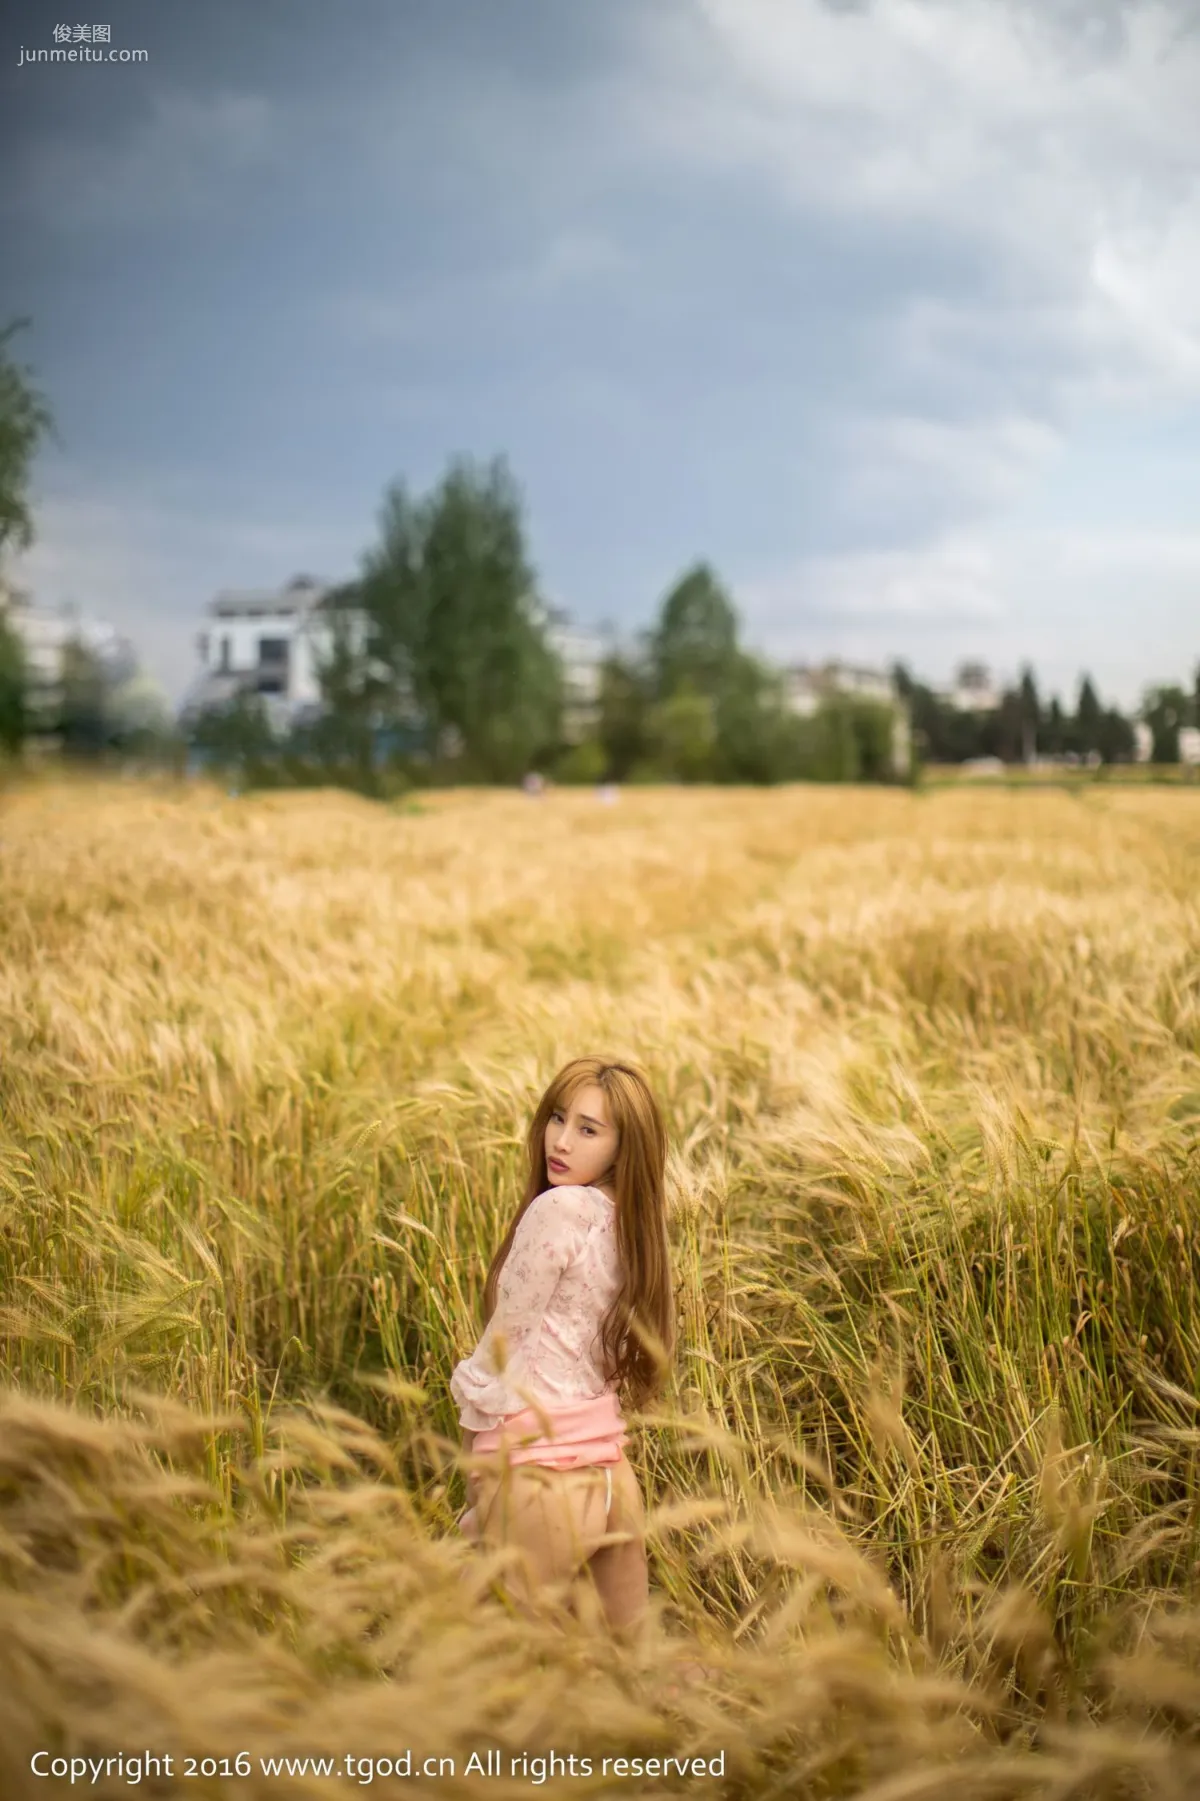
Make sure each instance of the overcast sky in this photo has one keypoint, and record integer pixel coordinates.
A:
(890, 310)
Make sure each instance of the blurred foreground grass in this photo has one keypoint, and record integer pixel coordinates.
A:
(925, 1491)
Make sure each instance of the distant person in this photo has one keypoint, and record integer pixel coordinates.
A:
(607, 792)
(586, 1256)
(533, 783)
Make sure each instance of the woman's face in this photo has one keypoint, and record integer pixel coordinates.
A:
(581, 1143)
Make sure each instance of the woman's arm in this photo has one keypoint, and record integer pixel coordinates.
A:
(549, 1236)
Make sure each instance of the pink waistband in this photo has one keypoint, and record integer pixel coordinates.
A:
(560, 1434)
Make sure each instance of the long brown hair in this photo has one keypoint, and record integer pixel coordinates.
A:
(637, 1333)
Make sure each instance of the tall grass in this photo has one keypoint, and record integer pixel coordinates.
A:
(924, 1492)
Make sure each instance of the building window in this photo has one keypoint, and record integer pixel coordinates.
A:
(225, 655)
(272, 653)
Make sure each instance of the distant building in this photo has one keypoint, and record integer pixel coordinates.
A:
(806, 686)
(46, 633)
(262, 643)
(972, 690)
(581, 654)
(1143, 741)
(272, 644)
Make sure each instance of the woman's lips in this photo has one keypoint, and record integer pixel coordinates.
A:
(555, 1163)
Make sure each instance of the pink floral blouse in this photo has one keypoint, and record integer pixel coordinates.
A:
(560, 1277)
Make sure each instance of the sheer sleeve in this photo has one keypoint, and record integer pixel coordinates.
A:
(550, 1236)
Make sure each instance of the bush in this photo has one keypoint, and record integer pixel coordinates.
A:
(14, 684)
(684, 734)
(583, 764)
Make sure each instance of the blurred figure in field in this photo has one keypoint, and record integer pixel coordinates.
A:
(533, 784)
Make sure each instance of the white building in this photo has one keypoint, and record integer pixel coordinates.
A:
(269, 643)
(47, 632)
(973, 690)
(581, 654)
(1189, 745)
(1143, 741)
(272, 644)
(807, 686)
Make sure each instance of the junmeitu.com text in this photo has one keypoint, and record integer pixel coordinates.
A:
(539, 1767)
(81, 53)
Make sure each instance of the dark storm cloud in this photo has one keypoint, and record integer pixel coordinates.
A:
(829, 294)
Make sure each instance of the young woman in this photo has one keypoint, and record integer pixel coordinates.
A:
(578, 1312)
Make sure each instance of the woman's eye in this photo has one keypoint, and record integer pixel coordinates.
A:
(590, 1130)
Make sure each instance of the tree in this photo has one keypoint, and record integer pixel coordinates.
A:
(1115, 740)
(236, 736)
(1010, 727)
(583, 764)
(944, 733)
(14, 688)
(683, 733)
(695, 638)
(838, 756)
(139, 719)
(902, 681)
(1165, 710)
(83, 721)
(872, 726)
(624, 724)
(755, 738)
(1089, 718)
(24, 420)
(352, 695)
(455, 623)
(1030, 715)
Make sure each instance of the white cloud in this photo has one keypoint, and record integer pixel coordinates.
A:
(1072, 160)
(1124, 553)
(976, 463)
(943, 584)
(1154, 292)
(1118, 604)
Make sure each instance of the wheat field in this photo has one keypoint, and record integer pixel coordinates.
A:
(925, 1491)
